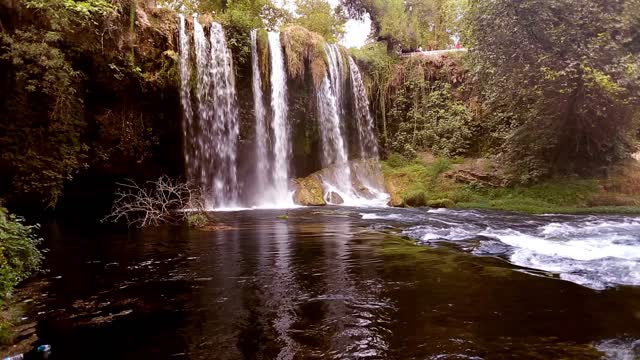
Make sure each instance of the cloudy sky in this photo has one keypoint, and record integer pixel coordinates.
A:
(356, 31)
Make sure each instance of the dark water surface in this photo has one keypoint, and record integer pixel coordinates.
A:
(340, 283)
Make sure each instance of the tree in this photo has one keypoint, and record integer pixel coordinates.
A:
(412, 23)
(559, 79)
(317, 16)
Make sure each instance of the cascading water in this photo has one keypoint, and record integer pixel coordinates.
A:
(334, 151)
(212, 135)
(279, 196)
(185, 94)
(364, 121)
(369, 174)
(211, 129)
(264, 180)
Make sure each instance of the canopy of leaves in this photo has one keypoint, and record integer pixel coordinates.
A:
(413, 23)
(317, 16)
(560, 81)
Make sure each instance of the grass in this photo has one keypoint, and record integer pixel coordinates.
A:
(417, 183)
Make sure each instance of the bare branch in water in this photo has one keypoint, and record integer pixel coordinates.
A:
(163, 201)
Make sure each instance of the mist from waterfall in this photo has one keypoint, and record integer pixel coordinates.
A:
(211, 133)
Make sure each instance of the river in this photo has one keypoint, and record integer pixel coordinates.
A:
(346, 283)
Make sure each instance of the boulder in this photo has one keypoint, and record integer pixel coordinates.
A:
(309, 191)
(335, 198)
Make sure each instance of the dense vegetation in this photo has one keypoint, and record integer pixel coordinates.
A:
(550, 88)
(548, 95)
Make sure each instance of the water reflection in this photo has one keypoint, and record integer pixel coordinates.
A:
(322, 284)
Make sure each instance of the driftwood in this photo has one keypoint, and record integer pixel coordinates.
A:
(164, 201)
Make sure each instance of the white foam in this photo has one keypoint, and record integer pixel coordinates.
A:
(366, 216)
(619, 349)
(594, 254)
(585, 249)
(597, 253)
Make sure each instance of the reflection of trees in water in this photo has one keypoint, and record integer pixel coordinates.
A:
(353, 302)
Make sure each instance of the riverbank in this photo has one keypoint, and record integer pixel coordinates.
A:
(481, 184)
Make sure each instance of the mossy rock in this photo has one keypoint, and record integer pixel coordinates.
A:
(309, 191)
(416, 199)
(441, 203)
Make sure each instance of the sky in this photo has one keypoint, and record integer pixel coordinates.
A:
(356, 31)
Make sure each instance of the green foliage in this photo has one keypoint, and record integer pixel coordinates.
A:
(19, 255)
(317, 16)
(46, 133)
(62, 14)
(425, 115)
(421, 183)
(44, 148)
(304, 48)
(413, 23)
(556, 82)
(416, 198)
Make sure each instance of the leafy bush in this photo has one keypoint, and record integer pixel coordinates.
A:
(19, 255)
(396, 160)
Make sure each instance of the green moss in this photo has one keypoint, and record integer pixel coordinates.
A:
(441, 203)
(309, 191)
(415, 198)
(197, 220)
(303, 47)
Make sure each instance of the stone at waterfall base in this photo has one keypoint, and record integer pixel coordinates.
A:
(309, 191)
(335, 198)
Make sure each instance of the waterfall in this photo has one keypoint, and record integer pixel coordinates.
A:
(213, 134)
(334, 150)
(211, 125)
(337, 77)
(185, 94)
(263, 181)
(279, 105)
(364, 121)
(370, 173)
